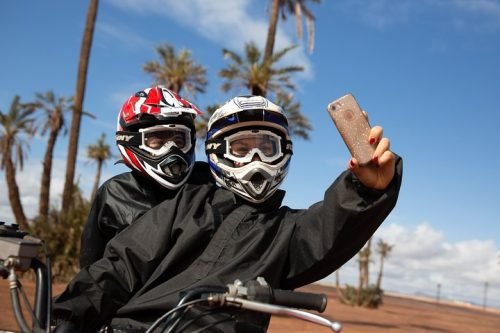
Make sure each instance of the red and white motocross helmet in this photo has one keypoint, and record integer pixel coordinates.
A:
(156, 135)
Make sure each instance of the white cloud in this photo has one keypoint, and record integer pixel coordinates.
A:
(28, 182)
(226, 23)
(422, 258)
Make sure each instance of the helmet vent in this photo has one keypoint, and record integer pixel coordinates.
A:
(257, 181)
(250, 102)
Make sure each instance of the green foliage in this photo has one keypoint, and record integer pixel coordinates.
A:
(16, 127)
(178, 71)
(255, 75)
(62, 232)
(370, 297)
(201, 123)
(298, 124)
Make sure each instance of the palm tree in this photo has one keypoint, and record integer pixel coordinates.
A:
(53, 121)
(14, 126)
(364, 265)
(177, 71)
(363, 260)
(201, 121)
(299, 125)
(366, 270)
(98, 152)
(255, 74)
(78, 107)
(294, 7)
(384, 249)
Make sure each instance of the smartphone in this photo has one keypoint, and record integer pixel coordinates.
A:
(353, 126)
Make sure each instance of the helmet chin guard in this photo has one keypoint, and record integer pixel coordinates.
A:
(258, 179)
(174, 166)
(170, 169)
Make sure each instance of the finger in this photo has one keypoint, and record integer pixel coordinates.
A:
(383, 146)
(386, 158)
(352, 164)
(376, 134)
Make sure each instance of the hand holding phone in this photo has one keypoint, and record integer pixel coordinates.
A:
(353, 127)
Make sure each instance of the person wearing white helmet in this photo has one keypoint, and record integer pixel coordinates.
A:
(156, 138)
(248, 147)
(213, 235)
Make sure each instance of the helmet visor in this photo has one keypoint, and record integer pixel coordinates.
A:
(243, 146)
(158, 140)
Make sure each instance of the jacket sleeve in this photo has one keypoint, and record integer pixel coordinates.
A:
(93, 239)
(332, 231)
(99, 290)
(130, 258)
(119, 202)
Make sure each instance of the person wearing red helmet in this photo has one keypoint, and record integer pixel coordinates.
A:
(156, 139)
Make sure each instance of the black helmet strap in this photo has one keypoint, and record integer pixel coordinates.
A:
(128, 138)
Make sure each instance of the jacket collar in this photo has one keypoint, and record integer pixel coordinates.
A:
(225, 197)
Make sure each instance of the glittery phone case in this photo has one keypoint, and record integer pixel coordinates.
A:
(353, 127)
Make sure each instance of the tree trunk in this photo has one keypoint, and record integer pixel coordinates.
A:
(78, 106)
(271, 37)
(367, 264)
(337, 279)
(96, 180)
(337, 287)
(271, 30)
(257, 91)
(361, 277)
(14, 196)
(43, 208)
(380, 272)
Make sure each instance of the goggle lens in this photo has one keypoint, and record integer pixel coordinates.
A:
(242, 147)
(266, 144)
(157, 139)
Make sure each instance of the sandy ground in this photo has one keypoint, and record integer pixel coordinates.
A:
(396, 315)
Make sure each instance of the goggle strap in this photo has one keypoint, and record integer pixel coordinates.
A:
(125, 138)
(215, 146)
(286, 147)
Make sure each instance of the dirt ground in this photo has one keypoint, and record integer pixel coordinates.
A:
(396, 315)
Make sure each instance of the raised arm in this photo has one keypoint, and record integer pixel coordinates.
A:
(332, 231)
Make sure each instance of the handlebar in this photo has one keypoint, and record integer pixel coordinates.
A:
(259, 290)
(255, 295)
(289, 298)
(19, 252)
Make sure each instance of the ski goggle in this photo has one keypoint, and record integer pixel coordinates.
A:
(243, 146)
(159, 139)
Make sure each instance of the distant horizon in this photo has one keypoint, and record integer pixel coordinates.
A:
(426, 297)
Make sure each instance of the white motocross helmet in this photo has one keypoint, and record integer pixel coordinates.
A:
(248, 147)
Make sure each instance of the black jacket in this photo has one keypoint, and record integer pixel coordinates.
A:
(206, 235)
(120, 201)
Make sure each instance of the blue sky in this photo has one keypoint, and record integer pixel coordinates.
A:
(428, 72)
